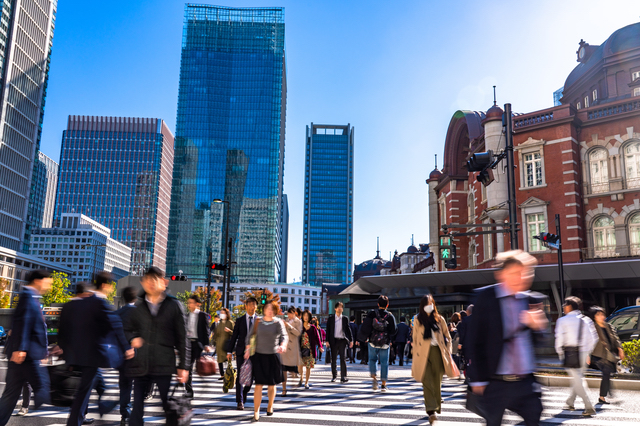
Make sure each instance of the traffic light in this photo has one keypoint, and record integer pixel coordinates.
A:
(480, 161)
(263, 297)
(448, 254)
(219, 266)
(549, 240)
(178, 278)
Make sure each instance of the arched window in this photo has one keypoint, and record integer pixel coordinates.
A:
(471, 208)
(634, 234)
(599, 171)
(604, 237)
(632, 164)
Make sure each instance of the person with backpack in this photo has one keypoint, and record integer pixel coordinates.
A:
(378, 328)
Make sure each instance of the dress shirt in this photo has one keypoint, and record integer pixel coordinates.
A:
(192, 324)
(517, 354)
(154, 307)
(338, 331)
(567, 331)
(250, 320)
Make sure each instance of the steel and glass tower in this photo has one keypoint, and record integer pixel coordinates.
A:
(26, 37)
(230, 143)
(44, 184)
(327, 246)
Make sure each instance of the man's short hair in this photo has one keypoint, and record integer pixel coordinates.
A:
(514, 257)
(469, 309)
(574, 302)
(103, 278)
(129, 294)
(153, 272)
(402, 319)
(352, 318)
(383, 301)
(338, 305)
(38, 274)
(251, 300)
(291, 310)
(195, 298)
(80, 288)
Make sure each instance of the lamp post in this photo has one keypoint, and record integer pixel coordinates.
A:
(225, 294)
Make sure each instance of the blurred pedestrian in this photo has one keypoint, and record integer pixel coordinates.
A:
(91, 336)
(462, 332)
(378, 329)
(125, 383)
(454, 321)
(402, 336)
(575, 339)
(291, 359)
(500, 342)
(310, 346)
(432, 355)
(270, 340)
(158, 332)
(26, 399)
(354, 332)
(221, 338)
(340, 339)
(323, 340)
(607, 352)
(197, 327)
(237, 344)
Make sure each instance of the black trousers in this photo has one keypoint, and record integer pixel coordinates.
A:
(196, 351)
(17, 374)
(523, 398)
(241, 391)
(607, 368)
(140, 385)
(399, 348)
(125, 384)
(364, 347)
(81, 401)
(26, 395)
(339, 347)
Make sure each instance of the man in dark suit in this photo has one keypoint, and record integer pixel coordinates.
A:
(125, 383)
(91, 336)
(500, 343)
(340, 338)
(401, 339)
(354, 333)
(27, 347)
(463, 329)
(237, 344)
(197, 334)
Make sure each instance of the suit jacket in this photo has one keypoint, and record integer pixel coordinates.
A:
(462, 328)
(202, 328)
(354, 330)
(28, 331)
(125, 313)
(238, 339)
(91, 334)
(331, 329)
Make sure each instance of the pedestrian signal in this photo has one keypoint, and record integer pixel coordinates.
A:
(263, 298)
(548, 240)
(219, 266)
(480, 161)
(451, 261)
(178, 278)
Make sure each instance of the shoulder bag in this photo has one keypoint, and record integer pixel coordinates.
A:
(572, 353)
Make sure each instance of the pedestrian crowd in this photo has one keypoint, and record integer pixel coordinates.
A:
(152, 339)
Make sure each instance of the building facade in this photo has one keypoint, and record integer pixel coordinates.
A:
(82, 245)
(230, 143)
(44, 185)
(117, 170)
(26, 37)
(15, 266)
(327, 244)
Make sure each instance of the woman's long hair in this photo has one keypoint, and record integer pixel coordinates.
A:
(226, 312)
(429, 322)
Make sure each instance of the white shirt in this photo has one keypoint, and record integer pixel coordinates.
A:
(567, 329)
(338, 332)
(192, 325)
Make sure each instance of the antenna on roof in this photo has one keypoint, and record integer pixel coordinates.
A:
(494, 96)
(411, 239)
(436, 161)
(378, 250)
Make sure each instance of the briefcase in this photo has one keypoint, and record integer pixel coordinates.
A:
(206, 365)
(65, 382)
(179, 412)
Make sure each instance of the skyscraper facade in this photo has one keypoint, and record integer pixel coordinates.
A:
(230, 143)
(26, 36)
(44, 184)
(327, 247)
(117, 170)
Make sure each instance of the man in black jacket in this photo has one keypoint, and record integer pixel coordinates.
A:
(401, 339)
(157, 330)
(354, 333)
(340, 338)
(125, 383)
(237, 344)
(88, 329)
(197, 335)
(500, 342)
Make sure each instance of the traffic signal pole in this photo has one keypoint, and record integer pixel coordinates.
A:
(560, 264)
(209, 262)
(511, 178)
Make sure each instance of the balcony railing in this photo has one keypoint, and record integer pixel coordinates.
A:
(530, 120)
(609, 252)
(613, 109)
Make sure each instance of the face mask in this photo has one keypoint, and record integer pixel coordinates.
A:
(223, 316)
(428, 309)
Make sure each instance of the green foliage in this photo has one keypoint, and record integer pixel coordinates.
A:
(59, 291)
(216, 296)
(240, 310)
(112, 294)
(631, 355)
(5, 296)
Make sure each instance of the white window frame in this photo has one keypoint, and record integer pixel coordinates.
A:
(530, 207)
(586, 102)
(635, 75)
(487, 253)
(579, 105)
(632, 180)
(609, 231)
(634, 234)
(595, 95)
(636, 91)
(540, 223)
(602, 184)
(531, 147)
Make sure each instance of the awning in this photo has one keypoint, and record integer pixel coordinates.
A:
(626, 274)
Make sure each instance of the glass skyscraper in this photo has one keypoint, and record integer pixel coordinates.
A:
(44, 184)
(230, 143)
(327, 245)
(26, 37)
(117, 171)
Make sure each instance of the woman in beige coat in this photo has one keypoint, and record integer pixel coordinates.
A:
(431, 354)
(221, 336)
(291, 358)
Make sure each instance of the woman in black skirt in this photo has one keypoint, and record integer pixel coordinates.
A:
(270, 339)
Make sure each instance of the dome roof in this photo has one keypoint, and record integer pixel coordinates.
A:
(493, 114)
(435, 174)
(412, 249)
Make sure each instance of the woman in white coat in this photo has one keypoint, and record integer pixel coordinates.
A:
(291, 358)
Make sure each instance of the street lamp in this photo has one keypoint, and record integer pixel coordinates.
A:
(227, 278)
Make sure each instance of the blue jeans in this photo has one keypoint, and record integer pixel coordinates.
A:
(374, 353)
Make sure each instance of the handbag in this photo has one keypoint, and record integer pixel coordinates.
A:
(65, 382)
(179, 412)
(305, 352)
(455, 371)
(206, 365)
(572, 353)
(246, 373)
(229, 378)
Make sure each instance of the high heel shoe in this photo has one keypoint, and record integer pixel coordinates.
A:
(255, 418)
(269, 413)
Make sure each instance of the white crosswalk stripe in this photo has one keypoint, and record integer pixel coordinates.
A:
(354, 403)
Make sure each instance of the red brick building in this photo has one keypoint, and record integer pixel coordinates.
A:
(580, 160)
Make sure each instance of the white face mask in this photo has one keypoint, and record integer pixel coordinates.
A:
(223, 316)
(428, 309)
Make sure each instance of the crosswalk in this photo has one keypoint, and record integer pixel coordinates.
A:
(352, 403)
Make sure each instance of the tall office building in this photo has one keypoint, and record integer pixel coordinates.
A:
(230, 143)
(44, 184)
(117, 170)
(26, 36)
(327, 246)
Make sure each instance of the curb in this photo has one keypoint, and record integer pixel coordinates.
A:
(593, 383)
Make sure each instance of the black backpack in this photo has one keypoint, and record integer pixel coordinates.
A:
(379, 336)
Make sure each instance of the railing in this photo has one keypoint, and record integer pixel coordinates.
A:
(609, 252)
(535, 119)
(607, 111)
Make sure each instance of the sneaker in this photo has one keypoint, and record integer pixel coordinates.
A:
(383, 388)
(569, 407)
(589, 412)
(375, 383)
(23, 411)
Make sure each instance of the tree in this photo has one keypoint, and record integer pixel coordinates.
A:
(216, 296)
(113, 292)
(59, 291)
(240, 310)
(5, 295)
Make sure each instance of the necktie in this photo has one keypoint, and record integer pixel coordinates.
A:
(250, 322)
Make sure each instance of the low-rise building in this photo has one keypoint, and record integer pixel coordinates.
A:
(15, 266)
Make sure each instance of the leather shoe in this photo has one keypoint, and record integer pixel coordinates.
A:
(240, 407)
(88, 421)
(345, 380)
(123, 422)
(334, 379)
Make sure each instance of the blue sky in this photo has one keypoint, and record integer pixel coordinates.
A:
(397, 71)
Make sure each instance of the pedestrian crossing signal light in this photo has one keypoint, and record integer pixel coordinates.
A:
(263, 298)
(548, 239)
(178, 278)
(448, 254)
(219, 266)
